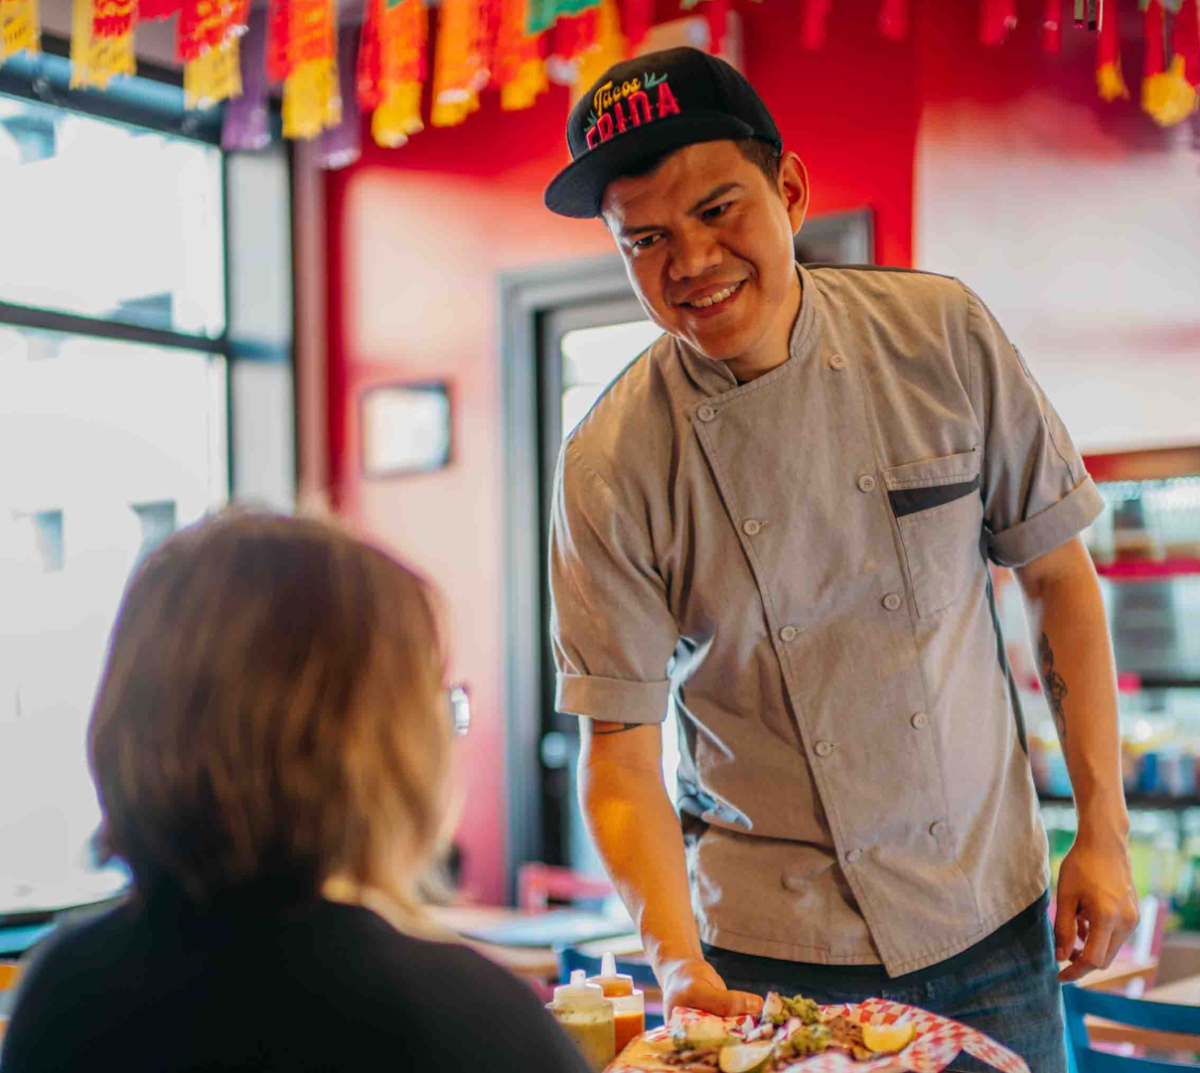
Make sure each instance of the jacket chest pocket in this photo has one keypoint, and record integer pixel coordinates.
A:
(939, 511)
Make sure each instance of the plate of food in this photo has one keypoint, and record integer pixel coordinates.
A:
(795, 1035)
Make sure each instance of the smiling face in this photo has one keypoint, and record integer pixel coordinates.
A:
(707, 241)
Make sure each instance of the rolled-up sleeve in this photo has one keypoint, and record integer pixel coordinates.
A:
(1037, 494)
(612, 632)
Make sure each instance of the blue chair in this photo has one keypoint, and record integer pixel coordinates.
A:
(1161, 1016)
(19, 939)
(571, 958)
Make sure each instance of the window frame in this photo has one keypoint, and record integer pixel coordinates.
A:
(151, 100)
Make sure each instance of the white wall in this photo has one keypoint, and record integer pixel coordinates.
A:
(1086, 248)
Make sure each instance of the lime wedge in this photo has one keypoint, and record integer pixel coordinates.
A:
(745, 1057)
(887, 1039)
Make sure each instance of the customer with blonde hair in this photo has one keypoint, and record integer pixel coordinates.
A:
(271, 743)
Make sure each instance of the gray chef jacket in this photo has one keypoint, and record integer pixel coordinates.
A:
(801, 563)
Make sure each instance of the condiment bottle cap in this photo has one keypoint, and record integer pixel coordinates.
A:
(579, 992)
(615, 984)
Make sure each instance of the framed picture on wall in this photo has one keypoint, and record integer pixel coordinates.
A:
(837, 238)
(405, 428)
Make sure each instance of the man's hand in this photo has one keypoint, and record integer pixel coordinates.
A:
(695, 984)
(1097, 905)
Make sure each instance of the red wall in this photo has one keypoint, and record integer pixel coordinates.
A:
(849, 110)
(417, 235)
(416, 238)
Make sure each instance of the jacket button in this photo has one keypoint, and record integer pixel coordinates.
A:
(937, 829)
(920, 721)
(752, 527)
(853, 855)
(706, 413)
(823, 748)
(866, 483)
(892, 602)
(837, 362)
(788, 633)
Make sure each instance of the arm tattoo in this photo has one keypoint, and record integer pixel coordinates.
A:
(619, 730)
(1055, 687)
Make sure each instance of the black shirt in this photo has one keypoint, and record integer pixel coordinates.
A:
(320, 986)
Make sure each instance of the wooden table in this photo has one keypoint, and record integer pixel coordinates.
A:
(1121, 972)
(535, 963)
(1185, 992)
(531, 962)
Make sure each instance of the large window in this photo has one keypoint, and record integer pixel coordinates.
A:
(110, 221)
(114, 404)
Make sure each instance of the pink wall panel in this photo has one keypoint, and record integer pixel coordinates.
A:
(418, 236)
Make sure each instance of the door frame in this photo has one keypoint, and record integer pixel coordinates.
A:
(525, 297)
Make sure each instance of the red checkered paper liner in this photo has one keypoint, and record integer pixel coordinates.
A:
(938, 1042)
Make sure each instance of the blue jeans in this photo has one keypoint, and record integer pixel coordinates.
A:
(1010, 993)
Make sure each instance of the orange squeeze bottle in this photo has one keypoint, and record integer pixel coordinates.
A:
(629, 1005)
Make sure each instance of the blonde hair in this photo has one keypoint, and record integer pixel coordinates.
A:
(270, 715)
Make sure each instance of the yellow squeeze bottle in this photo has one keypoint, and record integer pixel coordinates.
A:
(586, 1016)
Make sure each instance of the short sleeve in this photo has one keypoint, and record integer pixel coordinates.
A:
(1037, 494)
(612, 632)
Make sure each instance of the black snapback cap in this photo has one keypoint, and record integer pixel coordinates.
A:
(649, 106)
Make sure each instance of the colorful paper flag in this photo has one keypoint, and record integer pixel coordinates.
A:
(1052, 26)
(392, 68)
(247, 123)
(608, 48)
(214, 76)
(341, 146)
(894, 17)
(812, 29)
(996, 19)
(20, 28)
(1166, 95)
(96, 60)
(203, 25)
(716, 12)
(113, 18)
(519, 69)
(1187, 41)
(543, 14)
(278, 40)
(460, 68)
(207, 42)
(637, 16)
(1109, 80)
(302, 53)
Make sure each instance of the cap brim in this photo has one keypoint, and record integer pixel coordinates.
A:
(578, 189)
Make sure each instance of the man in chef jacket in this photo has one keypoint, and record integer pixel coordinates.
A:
(781, 516)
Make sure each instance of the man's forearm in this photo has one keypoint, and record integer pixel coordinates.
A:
(637, 836)
(1075, 661)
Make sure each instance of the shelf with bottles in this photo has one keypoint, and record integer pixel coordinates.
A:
(1164, 854)
(1151, 529)
(1157, 802)
(1160, 747)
